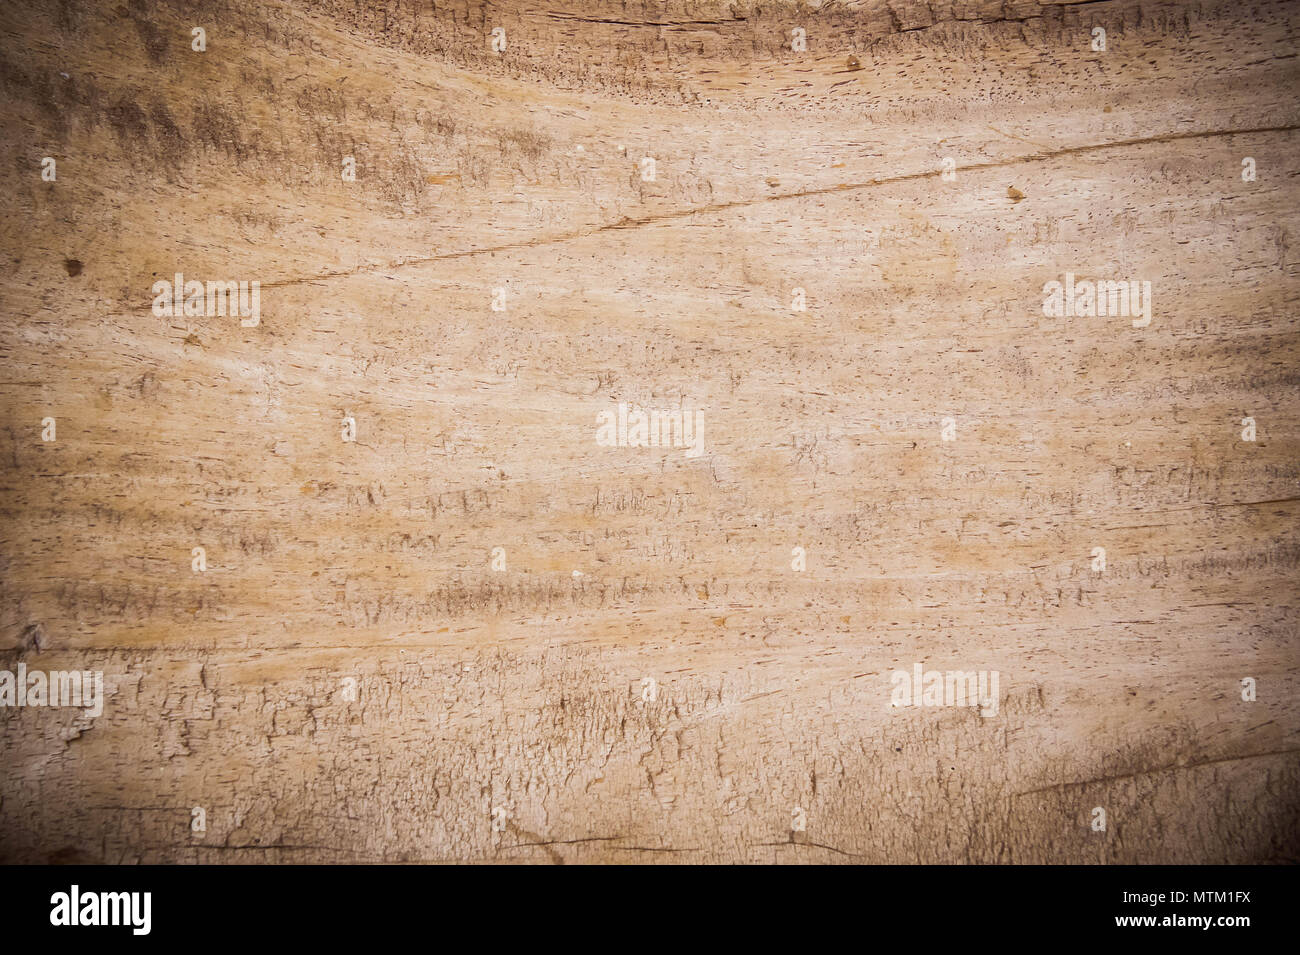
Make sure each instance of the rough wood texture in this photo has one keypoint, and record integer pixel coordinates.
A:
(522, 690)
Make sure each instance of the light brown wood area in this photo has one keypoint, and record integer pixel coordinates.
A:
(646, 675)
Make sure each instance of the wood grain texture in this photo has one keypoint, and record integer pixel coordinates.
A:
(522, 689)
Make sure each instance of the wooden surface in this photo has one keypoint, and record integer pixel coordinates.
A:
(522, 690)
